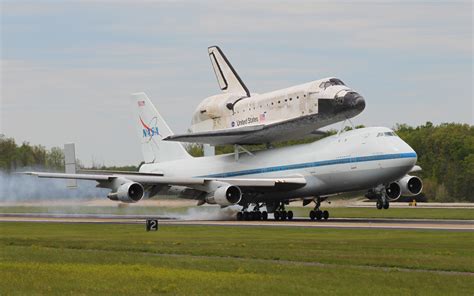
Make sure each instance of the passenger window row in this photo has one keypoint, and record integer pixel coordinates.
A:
(268, 105)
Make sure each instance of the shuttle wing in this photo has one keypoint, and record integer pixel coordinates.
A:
(256, 134)
(219, 137)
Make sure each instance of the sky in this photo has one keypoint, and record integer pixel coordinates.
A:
(68, 67)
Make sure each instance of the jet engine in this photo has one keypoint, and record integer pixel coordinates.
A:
(393, 191)
(410, 185)
(225, 195)
(130, 192)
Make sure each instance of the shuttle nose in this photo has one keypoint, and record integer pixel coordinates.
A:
(350, 101)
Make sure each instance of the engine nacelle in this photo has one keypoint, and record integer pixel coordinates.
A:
(130, 192)
(225, 195)
(410, 185)
(393, 191)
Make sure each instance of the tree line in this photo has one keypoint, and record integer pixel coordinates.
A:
(445, 153)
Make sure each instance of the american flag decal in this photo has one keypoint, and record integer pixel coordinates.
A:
(141, 103)
(261, 117)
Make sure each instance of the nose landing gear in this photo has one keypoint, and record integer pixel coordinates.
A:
(382, 201)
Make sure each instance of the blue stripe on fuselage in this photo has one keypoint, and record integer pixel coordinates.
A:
(312, 164)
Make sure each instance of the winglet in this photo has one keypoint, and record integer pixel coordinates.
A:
(227, 77)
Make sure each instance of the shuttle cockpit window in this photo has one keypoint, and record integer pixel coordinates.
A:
(330, 82)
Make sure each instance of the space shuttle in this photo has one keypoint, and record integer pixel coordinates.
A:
(237, 116)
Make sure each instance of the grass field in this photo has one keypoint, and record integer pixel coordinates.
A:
(394, 213)
(342, 212)
(187, 260)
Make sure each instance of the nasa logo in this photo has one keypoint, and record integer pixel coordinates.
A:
(149, 131)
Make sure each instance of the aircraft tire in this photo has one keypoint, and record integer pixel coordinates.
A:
(326, 215)
(312, 215)
(240, 216)
(319, 215)
(276, 214)
(386, 205)
(290, 215)
(258, 215)
(246, 216)
(264, 216)
(379, 204)
(283, 215)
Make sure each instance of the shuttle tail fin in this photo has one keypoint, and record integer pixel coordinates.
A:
(152, 129)
(227, 77)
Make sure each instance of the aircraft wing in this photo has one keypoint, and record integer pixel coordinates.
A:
(246, 184)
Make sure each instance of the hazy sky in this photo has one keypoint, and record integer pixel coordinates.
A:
(68, 67)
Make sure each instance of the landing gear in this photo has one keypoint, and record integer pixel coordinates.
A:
(282, 214)
(317, 214)
(379, 204)
(382, 202)
(254, 215)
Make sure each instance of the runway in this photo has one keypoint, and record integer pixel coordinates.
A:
(350, 223)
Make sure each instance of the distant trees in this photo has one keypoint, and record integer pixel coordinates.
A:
(445, 152)
(13, 157)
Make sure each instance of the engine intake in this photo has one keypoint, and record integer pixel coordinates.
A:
(410, 185)
(130, 192)
(225, 195)
(393, 191)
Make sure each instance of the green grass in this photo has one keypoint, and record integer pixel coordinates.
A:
(124, 259)
(412, 213)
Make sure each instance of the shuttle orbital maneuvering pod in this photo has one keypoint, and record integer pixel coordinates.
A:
(373, 159)
(237, 116)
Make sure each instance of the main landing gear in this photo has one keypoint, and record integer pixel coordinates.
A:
(254, 215)
(317, 213)
(281, 214)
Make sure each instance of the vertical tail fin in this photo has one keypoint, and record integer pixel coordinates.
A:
(152, 129)
(227, 77)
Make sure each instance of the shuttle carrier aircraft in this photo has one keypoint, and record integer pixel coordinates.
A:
(237, 116)
(373, 159)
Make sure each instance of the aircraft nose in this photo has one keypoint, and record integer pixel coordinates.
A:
(351, 100)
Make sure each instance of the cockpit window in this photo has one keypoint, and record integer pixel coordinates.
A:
(387, 134)
(330, 82)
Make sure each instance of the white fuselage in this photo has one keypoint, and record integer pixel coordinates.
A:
(353, 160)
(213, 113)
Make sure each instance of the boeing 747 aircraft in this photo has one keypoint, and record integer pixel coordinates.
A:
(373, 159)
(237, 116)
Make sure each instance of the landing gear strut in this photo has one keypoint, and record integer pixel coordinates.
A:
(282, 214)
(317, 213)
(382, 202)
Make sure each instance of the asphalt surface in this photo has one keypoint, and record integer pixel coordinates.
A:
(351, 223)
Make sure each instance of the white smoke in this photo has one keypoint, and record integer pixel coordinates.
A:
(17, 188)
(209, 213)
